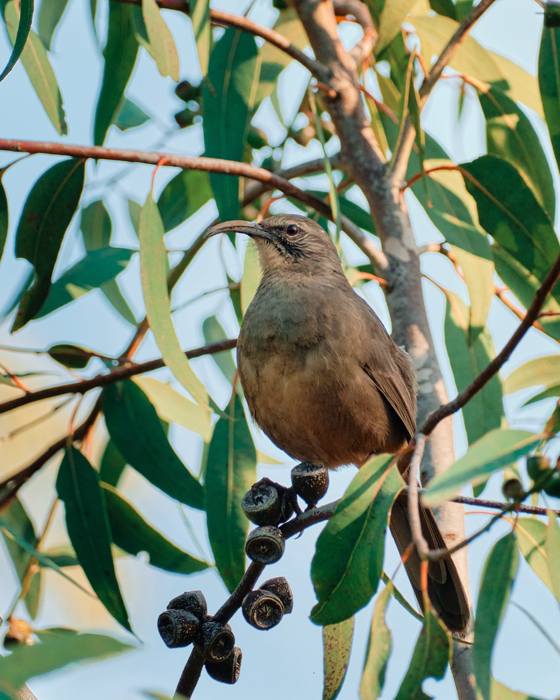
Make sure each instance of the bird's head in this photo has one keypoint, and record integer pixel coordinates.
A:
(287, 242)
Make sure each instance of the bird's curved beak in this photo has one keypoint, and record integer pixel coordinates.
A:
(238, 226)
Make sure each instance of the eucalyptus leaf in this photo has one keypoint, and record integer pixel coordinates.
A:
(130, 116)
(539, 372)
(162, 46)
(392, 16)
(552, 548)
(183, 196)
(251, 276)
(112, 464)
(50, 14)
(549, 83)
(202, 29)
(531, 537)
(4, 219)
(337, 645)
(214, 333)
(378, 649)
(23, 29)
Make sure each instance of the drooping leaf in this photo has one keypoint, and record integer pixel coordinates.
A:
(174, 407)
(348, 559)
(429, 659)
(111, 465)
(161, 44)
(213, 333)
(468, 356)
(88, 527)
(73, 356)
(3, 217)
(23, 28)
(37, 65)
(202, 30)
(153, 267)
(378, 649)
(130, 116)
(50, 14)
(531, 536)
(498, 578)
(230, 472)
(46, 215)
(95, 269)
(182, 196)
(337, 645)
(132, 533)
(510, 135)
(59, 649)
(552, 548)
(539, 372)
(120, 54)
(136, 430)
(495, 450)
(392, 16)
(229, 100)
(549, 83)
(17, 519)
(251, 277)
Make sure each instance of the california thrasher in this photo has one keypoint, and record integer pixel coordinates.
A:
(326, 382)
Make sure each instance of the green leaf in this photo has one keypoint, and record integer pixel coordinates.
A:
(230, 472)
(133, 534)
(202, 29)
(153, 267)
(35, 61)
(161, 44)
(531, 536)
(541, 372)
(136, 430)
(498, 578)
(92, 271)
(509, 212)
(24, 26)
(16, 518)
(46, 215)
(392, 16)
(182, 196)
(3, 217)
(337, 645)
(429, 659)
(68, 355)
(468, 356)
(549, 83)
(50, 14)
(130, 116)
(552, 548)
(510, 135)
(174, 407)
(62, 556)
(214, 333)
(229, 100)
(88, 527)
(349, 553)
(378, 649)
(59, 649)
(495, 450)
(120, 54)
(251, 277)
(112, 464)
(502, 692)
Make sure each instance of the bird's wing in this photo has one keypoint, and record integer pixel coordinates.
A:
(389, 368)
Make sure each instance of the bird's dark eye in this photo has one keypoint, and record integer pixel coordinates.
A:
(292, 229)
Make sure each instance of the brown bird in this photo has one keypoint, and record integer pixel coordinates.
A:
(326, 382)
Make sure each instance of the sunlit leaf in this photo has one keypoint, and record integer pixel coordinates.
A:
(182, 196)
(36, 63)
(202, 29)
(50, 14)
(136, 430)
(174, 407)
(91, 272)
(229, 99)
(132, 533)
(59, 649)
(337, 644)
(21, 35)
(230, 472)
(549, 82)
(392, 16)
(531, 536)
(378, 649)
(541, 372)
(251, 276)
(552, 547)
(162, 46)
(348, 559)
(429, 659)
(502, 692)
(130, 116)
(495, 450)
(46, 215)
(468, 356)
(88, 527)
(120, 54)
(498, 578)
(214, 333)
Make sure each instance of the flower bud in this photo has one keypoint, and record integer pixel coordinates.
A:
(192, 601)
(177, 628)
(226, 671)
(262, 609)
(265, 545)
(281, 588)
(310, 481)
(215, 640)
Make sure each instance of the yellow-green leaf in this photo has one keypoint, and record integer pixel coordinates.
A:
(378, 648)
(552, 548)
(162, 46)
(337, 645)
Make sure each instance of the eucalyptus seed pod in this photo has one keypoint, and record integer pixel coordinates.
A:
(216, 640)
(192, 601)
(267, 503)
(513, 489)
(187, 91)
(310, 481)
(178, 628)
(281, 588)
(226, 671)
(265, 545)
(262, 609)
(185, 117)
(552, 486)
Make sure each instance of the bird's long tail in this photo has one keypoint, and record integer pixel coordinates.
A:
(445, 589)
